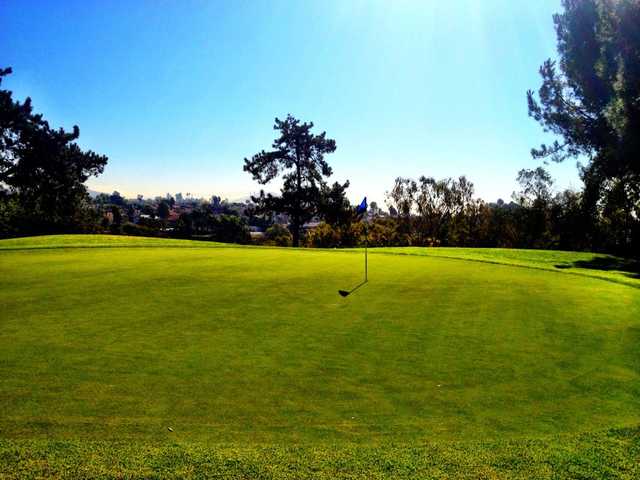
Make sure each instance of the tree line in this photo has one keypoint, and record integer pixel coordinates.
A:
(589, 99)
(42, 172)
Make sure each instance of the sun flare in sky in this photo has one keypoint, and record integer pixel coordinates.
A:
(177, 94)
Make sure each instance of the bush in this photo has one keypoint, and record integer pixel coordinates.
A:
(10, 215)
(278, 235)
(323, 236)
(229, 228)
(138, 230)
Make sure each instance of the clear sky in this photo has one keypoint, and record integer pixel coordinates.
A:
(177, 93)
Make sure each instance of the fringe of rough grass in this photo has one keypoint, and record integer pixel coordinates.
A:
(614, 454)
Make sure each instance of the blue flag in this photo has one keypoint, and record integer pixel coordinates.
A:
(362, 207)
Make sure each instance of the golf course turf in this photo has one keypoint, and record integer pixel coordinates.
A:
(449, 362)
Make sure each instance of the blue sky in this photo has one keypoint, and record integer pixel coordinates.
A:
(177, 93)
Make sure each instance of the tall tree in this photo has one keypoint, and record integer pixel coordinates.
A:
(534, 198)
(298, 155)
(43, 169)
(163, 210)
(438, 204)
(334, 207)
(535, 187)
(400, 201)
(590, 98)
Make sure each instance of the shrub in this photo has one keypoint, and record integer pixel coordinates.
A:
(323, 236)
(278, 235)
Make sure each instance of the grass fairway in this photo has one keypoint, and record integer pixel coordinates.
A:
(468, 365)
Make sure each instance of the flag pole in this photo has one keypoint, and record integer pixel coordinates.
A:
(361, 209)
(366, 246)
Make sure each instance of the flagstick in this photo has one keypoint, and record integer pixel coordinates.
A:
(362, 208)
(366, 245)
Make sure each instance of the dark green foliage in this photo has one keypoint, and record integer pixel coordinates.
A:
(163, 210)
(298, 155)
(152, 224)
(229, 229)
(431, 212)
(434, 212)
(591, 102)
(536, 187)
(277, 235)
(130, 213)
(334, 207)
(589, 98)
(116, 224)
(324, 236)
(203, 223)
(138, 230)
(117, 215)
(44, 171)
(116, 199)
(340, 227)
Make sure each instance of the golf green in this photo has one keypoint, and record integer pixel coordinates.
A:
(253, 346)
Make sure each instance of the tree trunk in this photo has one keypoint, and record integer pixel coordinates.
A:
(295, 241)
(296, 218)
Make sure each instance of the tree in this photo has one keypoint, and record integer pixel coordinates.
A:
(184, 225)
(229, 228)
(589, 98)
(324, 236)
(534, 199)
(401, 200)
(432, 206)
(431, 210)
(536, 187)
(278, 235)
(43, 168)
(116, 199)
(131, 213)
(298, 155)
(375, 210)
(334, 207)
(463, 212)
(163, 210)
(592, 101)
(568, 221)
(402, 196)
(116, 225)
(117, 215)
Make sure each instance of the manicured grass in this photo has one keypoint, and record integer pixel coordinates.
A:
(605, 267)
(101, 241)
(252, 349)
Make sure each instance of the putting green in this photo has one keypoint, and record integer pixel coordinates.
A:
(254, 345)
